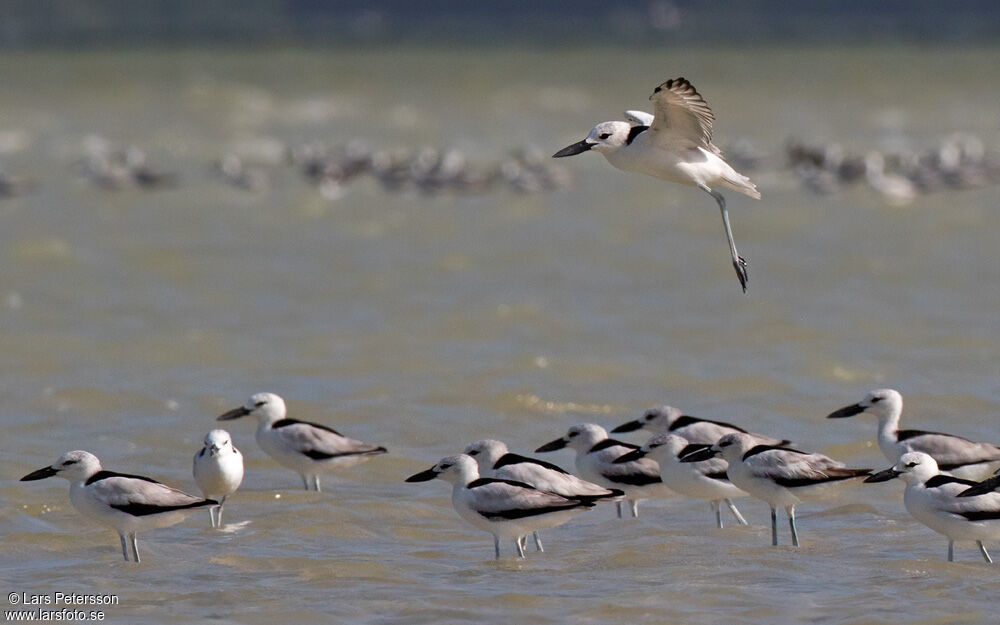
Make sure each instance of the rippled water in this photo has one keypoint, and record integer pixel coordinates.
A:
(131, 319)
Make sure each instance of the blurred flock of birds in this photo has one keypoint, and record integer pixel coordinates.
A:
(957, 161)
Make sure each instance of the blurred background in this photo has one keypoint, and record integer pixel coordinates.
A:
(352, 204)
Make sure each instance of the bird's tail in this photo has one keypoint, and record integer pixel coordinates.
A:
(741, 184)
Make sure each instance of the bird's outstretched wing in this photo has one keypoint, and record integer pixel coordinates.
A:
(681, 115)
(639, 118)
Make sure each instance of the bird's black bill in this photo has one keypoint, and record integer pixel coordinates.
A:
(882, 476)
(40, 474)
(636, 454)
(571, 150)
(631, 426)
(986, 486)
(235, 413)
(704, 453)
(559, 443)
(423, 476)
(846, 411)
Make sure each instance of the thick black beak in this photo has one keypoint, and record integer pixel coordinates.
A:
(846, 411)
(235, 413)
(635, 454)
(631, 426)
(423, 476)
(559, 443)
(882, 476)
(704, 453)
(986, 486)
(572, 150)
(40, 474)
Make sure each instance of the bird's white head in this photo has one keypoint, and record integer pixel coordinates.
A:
(656, 419)
(733, 446)
(267, 407)
(663, 447)
(486, 452)
(884, 403)
(75, 466)
(458, 470)
(218, 441)
(579, 437)
(915, 467)
(606, 138)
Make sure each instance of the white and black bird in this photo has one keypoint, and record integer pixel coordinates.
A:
(127, 503)
(699, 480)
(218, 470)
(495, 460)
(779, 476)
(674, 145)
(939, 501)
(507, 509)
(304, 447)
(671, 420)
(953, 454)
(595, 462)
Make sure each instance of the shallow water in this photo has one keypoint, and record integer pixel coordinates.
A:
(131, 319)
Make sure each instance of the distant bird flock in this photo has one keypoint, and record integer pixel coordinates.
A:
(951, 482)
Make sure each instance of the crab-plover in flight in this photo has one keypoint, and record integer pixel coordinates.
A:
(674, 144)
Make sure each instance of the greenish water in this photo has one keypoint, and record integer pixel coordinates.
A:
(132, 318)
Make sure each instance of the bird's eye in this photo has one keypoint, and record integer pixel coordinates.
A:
(259, 404)
(725, 444)
(604, 135)
(911, 464)
(876, 400)
(655, 445)
(572, 434)
(472, 453)
(69, 462)
(444, 466)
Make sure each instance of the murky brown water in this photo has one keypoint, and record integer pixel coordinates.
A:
(132, 318)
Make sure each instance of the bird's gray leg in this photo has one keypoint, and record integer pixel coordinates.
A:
(135, 547)
(774, 527)
(211, 514)
(316, 483)
(124, 547)
(736, 513)
(218, 512)
(619, 504)
(951, 551)
(305, 480)
(520, 548)
(986, 554)
(718, 513)
(739, 263)
(496, 546)
(635, 508)
(538, 541)
(791, 523)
